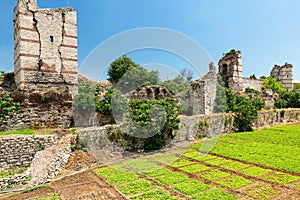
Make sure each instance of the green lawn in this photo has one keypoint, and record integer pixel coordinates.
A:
(277, 147)
(198, 176)
(20, 132)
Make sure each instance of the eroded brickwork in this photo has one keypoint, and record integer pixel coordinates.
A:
(45, 47)
(284, 74)
(230, 68)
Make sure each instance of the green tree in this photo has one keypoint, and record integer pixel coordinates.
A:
(136, 77)
(245, 110)
(85, 100)
(111, 97)
(119, 67)
(288, 100)
(296, 86)
(271, 83)
(253, 76)
(159, 126)
(221, 99)
(263, 77)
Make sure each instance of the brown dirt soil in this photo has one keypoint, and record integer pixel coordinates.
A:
(79, 159)
(41, 192)
(86, 185)
(82, 186)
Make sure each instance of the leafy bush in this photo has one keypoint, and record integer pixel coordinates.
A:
(130, 75)
(296, 86)
(7, 105)
(288, 100)
(271, 83)
(149, 130)
(245, 110)
(85, 100)
(250, 90)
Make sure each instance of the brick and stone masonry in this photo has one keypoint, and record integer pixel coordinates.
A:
(45, 44)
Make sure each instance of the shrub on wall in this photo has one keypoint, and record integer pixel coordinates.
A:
(7, 104)
(245, 110)
(151, 125)
(288, 100)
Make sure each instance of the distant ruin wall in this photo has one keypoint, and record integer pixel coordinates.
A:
(39, 110)
(192, 127)
(278, 116)
(256, 84)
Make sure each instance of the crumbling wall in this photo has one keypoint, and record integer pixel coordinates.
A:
(39, 110)
(284, 74)
(230, 68)
(192, 127)
(202, 94)
(150, 93)
(256, 84)
(45, 47)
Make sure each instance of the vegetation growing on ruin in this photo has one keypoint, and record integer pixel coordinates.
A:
(288, 100)
(250, 90)
(7, 104)
(271, 83)
(245, 110)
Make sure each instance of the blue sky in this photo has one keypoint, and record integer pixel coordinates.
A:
(266, 31)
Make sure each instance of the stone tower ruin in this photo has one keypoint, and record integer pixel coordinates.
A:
(284, 75)
(230, 68)
(45, 44)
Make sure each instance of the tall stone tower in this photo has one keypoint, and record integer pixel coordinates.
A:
(230, 68)
(284, 75)
(45, 47)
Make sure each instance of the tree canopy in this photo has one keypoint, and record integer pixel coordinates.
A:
(271, 83)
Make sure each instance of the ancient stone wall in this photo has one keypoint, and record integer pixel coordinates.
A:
(278, 116)
(230, 68)
(153, 92)
(202, 94)
(256, 84)
(45, 47)
(284, 74)
(192, 127)
(19, 151)
(39, 110)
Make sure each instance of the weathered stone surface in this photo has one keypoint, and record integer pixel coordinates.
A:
(18, 151)
(48, 163)
(230, 68)
(150, 93)
(202, 94)
(40, 109)
(284, 74)
(45, 47)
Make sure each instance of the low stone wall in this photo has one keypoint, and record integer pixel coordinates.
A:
(19, 151)
(95, 138)
(277, 116)
(195, 126)
(16, 180)
(39, 110)
(190, 128)
(48, 163)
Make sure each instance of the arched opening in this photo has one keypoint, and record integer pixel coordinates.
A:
(224, 68)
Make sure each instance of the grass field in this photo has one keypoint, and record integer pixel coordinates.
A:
(263, 164)
(277, 147)
(28, 132)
